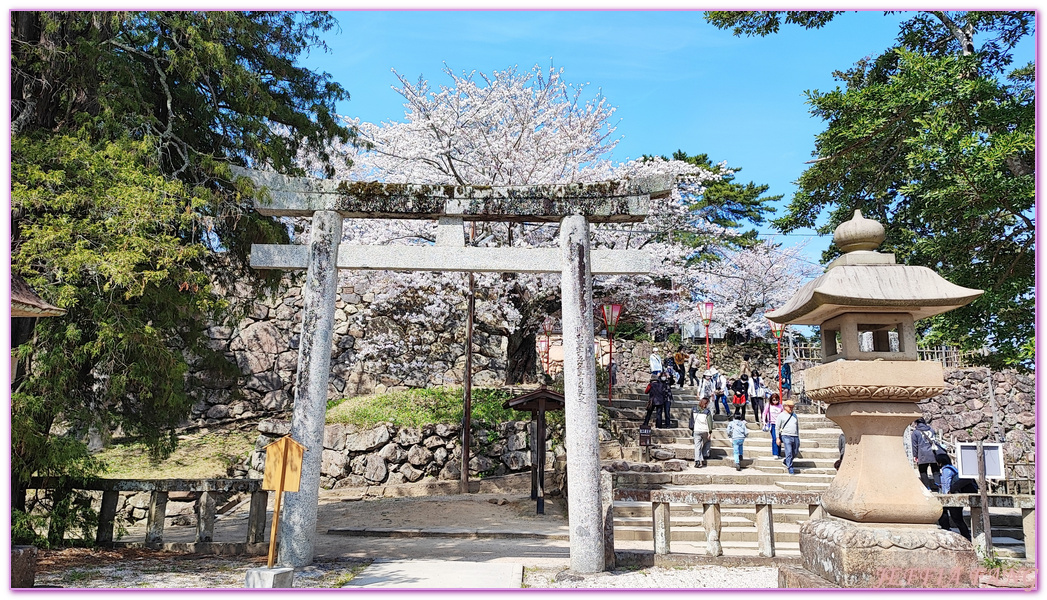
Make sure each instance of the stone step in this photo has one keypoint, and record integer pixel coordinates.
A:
(747, 476)
(802, 485)
(689, 399)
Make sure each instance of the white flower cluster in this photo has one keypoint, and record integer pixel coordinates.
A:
(518, 128)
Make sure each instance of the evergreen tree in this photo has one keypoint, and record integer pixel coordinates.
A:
(935, 138)
(124, 213)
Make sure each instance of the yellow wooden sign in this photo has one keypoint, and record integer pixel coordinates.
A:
(283, 473)
(283, 465)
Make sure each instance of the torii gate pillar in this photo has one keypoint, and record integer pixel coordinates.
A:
(581, 436)
(319, 295)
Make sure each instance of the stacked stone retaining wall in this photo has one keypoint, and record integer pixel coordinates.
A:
(392, 455)
(964, 413)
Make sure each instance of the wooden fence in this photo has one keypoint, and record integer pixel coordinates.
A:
(949, 356)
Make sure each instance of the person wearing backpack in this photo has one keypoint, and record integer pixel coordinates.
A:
(655, 398)
(701, 429)
(923, 453)
(952, 484)
(737, 432)
(740, 387)
(719, 394)
(757, 391)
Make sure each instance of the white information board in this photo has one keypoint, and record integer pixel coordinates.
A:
(967, 460)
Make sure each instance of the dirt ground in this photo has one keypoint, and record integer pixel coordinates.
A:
(337, 557)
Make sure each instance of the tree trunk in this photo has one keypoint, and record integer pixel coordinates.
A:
(522, 358)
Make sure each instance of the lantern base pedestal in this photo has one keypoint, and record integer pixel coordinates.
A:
(883, 555)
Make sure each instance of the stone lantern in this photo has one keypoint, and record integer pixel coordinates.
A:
(880, 516)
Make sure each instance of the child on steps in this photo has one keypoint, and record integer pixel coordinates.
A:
(737, 431)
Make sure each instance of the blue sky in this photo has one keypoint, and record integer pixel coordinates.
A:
(677, 82)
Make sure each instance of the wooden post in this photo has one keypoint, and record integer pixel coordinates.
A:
(534, 455)
(541, 457)
(765, 530)
(107, 517)
(984, 497)
(711, 521)
(662, 533)
(276, 511)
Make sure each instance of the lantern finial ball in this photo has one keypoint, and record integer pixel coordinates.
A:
(859, 234)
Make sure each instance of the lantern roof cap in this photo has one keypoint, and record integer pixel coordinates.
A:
(863, 280)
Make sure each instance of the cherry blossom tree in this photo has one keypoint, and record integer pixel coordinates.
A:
(512, 128)
(746, 283)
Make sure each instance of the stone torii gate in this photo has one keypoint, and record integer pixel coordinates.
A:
(574, 206)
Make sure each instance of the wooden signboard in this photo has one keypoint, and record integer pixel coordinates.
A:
(283, 465)
(283, 473)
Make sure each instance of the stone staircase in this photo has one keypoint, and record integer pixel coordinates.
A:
(819, 438)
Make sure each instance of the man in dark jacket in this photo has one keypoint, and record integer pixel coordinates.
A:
(657, 390)
(923, 453)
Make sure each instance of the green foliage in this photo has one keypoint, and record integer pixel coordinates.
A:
(937, 141)
(726, 203)
(629, 330)
(766, 22)
(417, 407)
(124, 125)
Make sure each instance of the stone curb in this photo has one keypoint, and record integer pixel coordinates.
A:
(444, 533)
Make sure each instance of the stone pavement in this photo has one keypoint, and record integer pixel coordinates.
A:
(439, 574)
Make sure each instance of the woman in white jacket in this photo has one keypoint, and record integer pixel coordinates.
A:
(770, 417)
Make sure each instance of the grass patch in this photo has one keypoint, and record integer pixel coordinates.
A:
(417, 407)
(196, 457)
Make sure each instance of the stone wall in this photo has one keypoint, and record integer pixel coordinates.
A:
(391, 455)
(963, 413)
(264, 346)
(633, 358)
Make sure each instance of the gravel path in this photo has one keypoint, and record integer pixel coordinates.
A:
(86, 569)
(339, 558)
(657, 577)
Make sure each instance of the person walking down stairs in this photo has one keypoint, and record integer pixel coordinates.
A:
(788, 429)
(680, 358)
(737, 431)
(693, 364)
(701, 429)
(757, 392)
(770, 419)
